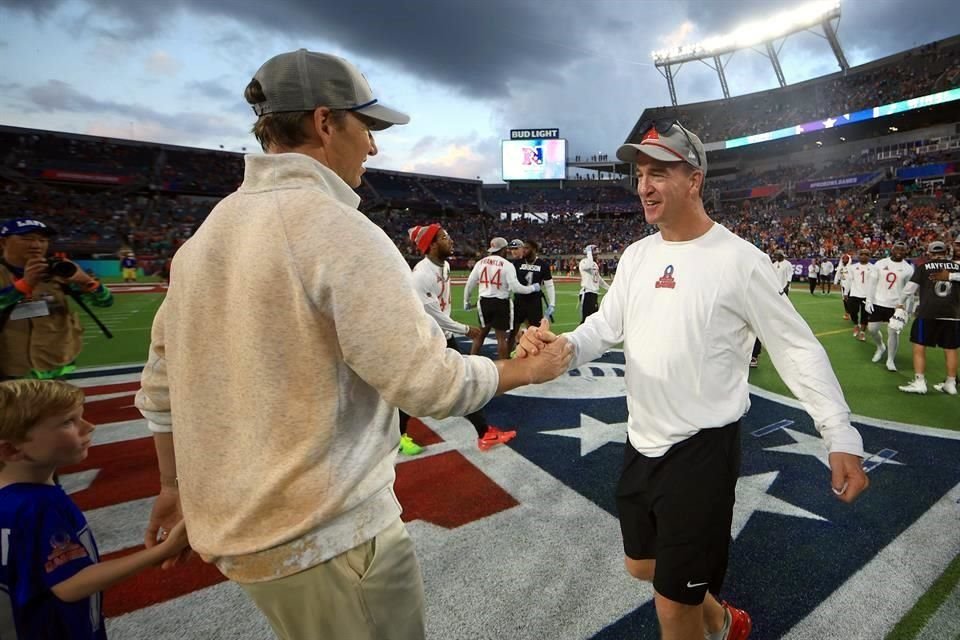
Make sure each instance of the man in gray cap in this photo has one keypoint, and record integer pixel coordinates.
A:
(687, 303)
(937, 281)
(273, 380)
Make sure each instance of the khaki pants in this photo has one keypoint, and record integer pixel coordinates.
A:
(371, 592)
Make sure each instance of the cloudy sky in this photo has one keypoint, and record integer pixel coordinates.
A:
(466, 70)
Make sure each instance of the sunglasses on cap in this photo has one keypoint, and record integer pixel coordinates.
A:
(663, 126)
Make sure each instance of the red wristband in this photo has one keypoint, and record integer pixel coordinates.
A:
(23, 287)
(93, 286)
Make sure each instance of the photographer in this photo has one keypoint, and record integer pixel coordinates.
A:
(40, 335)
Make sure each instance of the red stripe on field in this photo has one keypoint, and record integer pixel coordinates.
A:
(128, 471)
(155, 585)
(112, 388)
(448, 491)
(421, 433)
(111, 409)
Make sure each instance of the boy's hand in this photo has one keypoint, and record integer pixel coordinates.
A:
(175, 540)
(165, 515)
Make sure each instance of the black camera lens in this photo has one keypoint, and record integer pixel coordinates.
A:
(61, 268)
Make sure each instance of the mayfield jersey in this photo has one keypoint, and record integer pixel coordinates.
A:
(497, 278)
(536, 272)
(432, 283)
(938, 300)
(890, 278)
(45, 540)
(860, 275)
(589, 276)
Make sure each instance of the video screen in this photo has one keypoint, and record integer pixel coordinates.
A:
(534, 159)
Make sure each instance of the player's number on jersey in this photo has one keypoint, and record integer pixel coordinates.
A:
(488, 281)
(891, 279)
(942, 288)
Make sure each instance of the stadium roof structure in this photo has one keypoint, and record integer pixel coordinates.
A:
(765, 32)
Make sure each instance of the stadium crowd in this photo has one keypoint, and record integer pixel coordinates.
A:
(929, 69)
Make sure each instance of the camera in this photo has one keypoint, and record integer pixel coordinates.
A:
(59, 268)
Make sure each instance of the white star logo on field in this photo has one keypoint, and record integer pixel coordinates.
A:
(807, 445)
(593, 433)
(753, 496)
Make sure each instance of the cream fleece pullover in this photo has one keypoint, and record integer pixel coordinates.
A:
(289, 335)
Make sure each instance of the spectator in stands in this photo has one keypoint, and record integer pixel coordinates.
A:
(40, 334)
(273, 381)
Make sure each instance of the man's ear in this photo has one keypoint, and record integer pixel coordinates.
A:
(322, 121)
(10, 452)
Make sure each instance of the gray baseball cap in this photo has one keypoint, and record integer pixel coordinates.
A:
(497, 244)
(304, 80)
(673, 145)
(936, 247)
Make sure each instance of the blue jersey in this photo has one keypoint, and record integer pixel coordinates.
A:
(44, 540)
(128, 262)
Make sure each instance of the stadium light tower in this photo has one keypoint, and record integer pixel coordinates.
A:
(752, 35)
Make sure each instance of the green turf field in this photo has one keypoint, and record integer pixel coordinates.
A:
(870, 389)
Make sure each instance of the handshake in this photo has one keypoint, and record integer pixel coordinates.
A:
(540, 357)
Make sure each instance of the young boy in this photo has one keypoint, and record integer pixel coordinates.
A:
(50, 575)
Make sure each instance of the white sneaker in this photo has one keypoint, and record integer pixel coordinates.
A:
(915, 386)
(949, 388)
(879, 353)
(891, 366)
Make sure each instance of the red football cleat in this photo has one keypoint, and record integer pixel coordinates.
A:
(740, 623)
(494, 437)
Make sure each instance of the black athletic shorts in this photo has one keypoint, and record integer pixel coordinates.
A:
(588, 305)
(936, 333)
(527, 310)
(678, 509)
(496, 313)
(880, 314)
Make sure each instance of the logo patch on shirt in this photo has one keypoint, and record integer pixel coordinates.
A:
(63, 550)
(666, 281)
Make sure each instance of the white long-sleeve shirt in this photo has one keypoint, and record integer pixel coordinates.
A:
(784, 271)
(842, 277)
(432, 283)
(590, 278)
(860, 275)
(497, 278)
(687, 314)
(826, 268)
(887, 280)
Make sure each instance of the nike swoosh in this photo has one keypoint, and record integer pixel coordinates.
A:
(691, 586)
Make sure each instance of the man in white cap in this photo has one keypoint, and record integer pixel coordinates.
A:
(272, 390)
(590, 283)
(937, 281)
(497, 278)
(687, 303)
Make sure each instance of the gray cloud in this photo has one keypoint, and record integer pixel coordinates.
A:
(581, 66)
(214, 90)
(56, 95)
